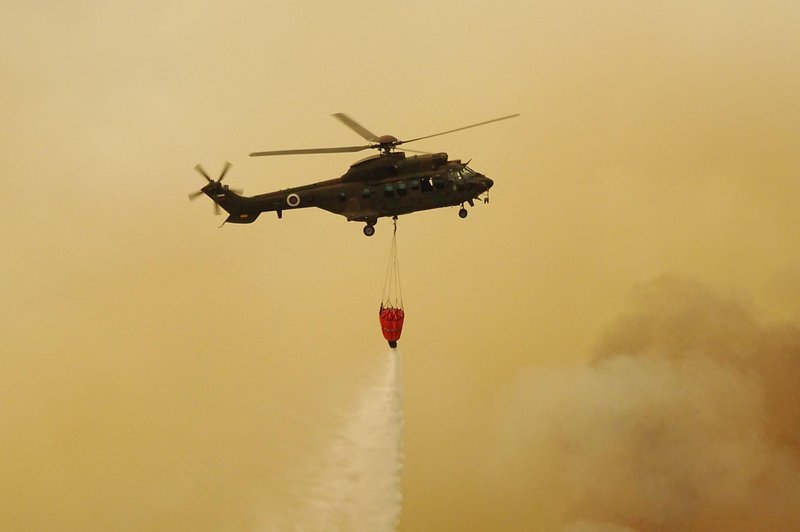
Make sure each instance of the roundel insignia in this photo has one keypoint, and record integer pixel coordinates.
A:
(293, 200)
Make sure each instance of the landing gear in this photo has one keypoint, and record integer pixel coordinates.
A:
(369, 229)
(462, 212)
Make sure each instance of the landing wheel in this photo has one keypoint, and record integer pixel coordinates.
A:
(369, 229)
(462, 212)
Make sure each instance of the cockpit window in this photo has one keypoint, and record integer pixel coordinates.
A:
(462, 173)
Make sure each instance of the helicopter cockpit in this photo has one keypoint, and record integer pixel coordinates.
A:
(459, 175)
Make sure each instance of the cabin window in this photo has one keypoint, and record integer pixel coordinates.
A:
(342, 197)
(366, 193)
(388, 191)
(438, 182)
(426, 184)
(401, 189)
(413, 184)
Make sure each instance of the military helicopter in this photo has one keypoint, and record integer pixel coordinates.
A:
(388, 184)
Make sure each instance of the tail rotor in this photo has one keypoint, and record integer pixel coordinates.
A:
(212, 184)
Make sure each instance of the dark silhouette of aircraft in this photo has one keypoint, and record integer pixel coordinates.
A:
(387, 184)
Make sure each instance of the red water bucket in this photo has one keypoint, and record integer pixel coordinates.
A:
(391, 323)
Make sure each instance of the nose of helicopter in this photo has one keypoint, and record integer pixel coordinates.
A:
(487, 182)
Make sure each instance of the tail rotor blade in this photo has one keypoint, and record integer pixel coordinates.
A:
(203, 173)
(214, 187)
(224, 171)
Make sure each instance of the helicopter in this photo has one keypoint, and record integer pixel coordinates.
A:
(388, 184)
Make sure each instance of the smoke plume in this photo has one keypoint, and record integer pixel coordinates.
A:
(686, 419)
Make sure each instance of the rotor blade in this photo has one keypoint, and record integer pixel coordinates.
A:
(203, 173)
(305, 151)
(459, 129)
(224, 171)
(355, 126)
(217, 210)
(194, 195)
(414, 151)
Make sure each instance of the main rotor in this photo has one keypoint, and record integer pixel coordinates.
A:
(385, 144)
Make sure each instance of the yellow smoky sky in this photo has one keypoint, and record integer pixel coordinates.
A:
(160, 373)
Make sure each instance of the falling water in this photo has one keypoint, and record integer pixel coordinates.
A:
(359, 486)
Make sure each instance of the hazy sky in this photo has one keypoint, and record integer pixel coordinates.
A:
(638, 262)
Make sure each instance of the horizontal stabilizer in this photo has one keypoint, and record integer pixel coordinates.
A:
(242, 218)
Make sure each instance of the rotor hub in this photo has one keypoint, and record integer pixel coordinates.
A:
(386, 143)
(386, 139)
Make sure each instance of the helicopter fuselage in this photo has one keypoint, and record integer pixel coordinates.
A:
(389, 184)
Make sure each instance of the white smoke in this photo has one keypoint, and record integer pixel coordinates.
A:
(687, 420)
(358, 486)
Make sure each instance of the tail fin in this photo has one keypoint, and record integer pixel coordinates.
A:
(234, 204)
